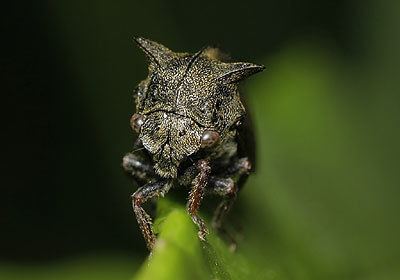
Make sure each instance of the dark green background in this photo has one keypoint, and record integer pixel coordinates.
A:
(326, 112)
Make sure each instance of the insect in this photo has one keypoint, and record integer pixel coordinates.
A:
(192, 132)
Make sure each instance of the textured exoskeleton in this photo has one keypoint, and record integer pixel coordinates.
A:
(192, 131)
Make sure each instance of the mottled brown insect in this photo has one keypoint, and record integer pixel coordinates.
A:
(193, 131)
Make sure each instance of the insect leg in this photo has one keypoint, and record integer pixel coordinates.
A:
(196, 196)
(136, 165)
(144, 220)
(239, 167)
(227, 187)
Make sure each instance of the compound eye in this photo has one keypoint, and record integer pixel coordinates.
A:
(137, 121)
(209, 138)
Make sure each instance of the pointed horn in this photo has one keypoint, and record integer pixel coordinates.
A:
(238, 71)
(155, 52)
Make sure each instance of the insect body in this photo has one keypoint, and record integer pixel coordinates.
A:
(189, 118)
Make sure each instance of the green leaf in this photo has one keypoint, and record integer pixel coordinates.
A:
(179, 254)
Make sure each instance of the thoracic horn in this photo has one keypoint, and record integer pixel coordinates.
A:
(155, 52)
(235, 72)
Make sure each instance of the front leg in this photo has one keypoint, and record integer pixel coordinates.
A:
(196, 196)
(137, 166)
(150, 190)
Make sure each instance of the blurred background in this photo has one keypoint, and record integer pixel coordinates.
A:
(324, 203)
